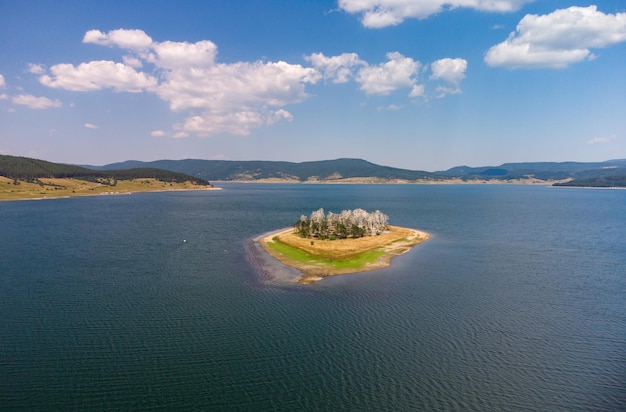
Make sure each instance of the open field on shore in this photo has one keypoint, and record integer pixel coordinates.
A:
(55, 188)
(316, 259)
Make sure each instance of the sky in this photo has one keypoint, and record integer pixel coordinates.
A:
(415, 84)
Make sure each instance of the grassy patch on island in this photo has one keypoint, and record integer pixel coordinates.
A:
(356, 261)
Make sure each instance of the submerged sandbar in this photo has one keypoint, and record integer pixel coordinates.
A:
(317, 259)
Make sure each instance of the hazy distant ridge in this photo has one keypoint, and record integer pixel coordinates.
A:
(228, 170)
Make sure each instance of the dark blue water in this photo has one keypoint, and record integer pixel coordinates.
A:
(517, 302)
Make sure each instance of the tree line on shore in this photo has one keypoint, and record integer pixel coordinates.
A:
(347, 224)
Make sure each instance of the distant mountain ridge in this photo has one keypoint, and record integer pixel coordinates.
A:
(346, 169)
(611, 173)
(232, 170)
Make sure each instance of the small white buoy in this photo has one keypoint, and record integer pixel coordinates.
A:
(184, 240)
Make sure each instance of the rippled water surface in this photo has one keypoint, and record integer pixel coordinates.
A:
(517, 302)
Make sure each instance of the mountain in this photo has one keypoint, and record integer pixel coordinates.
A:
(24, 168)
(342, 169)
(540, 170)
(611, 173)
(226, 170)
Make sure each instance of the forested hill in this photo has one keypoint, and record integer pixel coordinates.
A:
(325, 170)
(342, 169)
(610, 173)
(24, 168)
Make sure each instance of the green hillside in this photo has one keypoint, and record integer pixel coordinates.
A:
(226, 170)
(24, 168)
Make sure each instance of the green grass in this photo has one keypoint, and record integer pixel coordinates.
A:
(300, 256)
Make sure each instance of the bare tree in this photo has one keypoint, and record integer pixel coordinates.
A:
(349, 223)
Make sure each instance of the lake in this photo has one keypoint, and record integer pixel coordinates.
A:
(155, 301)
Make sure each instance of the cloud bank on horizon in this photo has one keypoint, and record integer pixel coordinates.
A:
(215, 97)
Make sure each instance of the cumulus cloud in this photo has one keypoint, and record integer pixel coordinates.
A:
(601, 140)
(35, 68)
(220, 98)
(96, 75)
(157, 133)
(90, 126)
(2, 83)
(383, 13)
(452, 71)
(337, 68)
(124, 38)
(35, 102)
(417, 91)
(234, 98)
(399, 72)
(558, 39)
(173, 55)
(217, 97)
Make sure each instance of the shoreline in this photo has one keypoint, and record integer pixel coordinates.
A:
(315, 271)
(107, 193)
(377, 181)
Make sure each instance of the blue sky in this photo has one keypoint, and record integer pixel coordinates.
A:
(416, 84)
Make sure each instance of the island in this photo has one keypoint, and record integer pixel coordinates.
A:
(352, 241)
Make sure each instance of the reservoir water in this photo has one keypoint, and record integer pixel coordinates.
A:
(154, 301)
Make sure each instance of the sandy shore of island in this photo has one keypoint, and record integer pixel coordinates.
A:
(396, 241)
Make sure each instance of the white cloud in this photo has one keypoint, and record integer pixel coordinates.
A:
(601, 140)
(391, 107)
(558, 39)
(132, 61)
(220, 98)
(383, 13)
(172, 55)
(126, 39)
(417, 91)
(217, 97)
(452, 71)
(96, 75)
(2, 83)
(338, 68)
(36, 68)
(399, 72)
(90, 126)
(36, 102)
(234, 98)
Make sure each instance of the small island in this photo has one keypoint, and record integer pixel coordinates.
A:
(353, 241)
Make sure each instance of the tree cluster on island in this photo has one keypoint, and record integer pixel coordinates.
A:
(347, 224)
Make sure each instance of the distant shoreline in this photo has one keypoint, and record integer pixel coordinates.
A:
(57, 188)
(105, 194)
(366, 181)
(396, 241)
